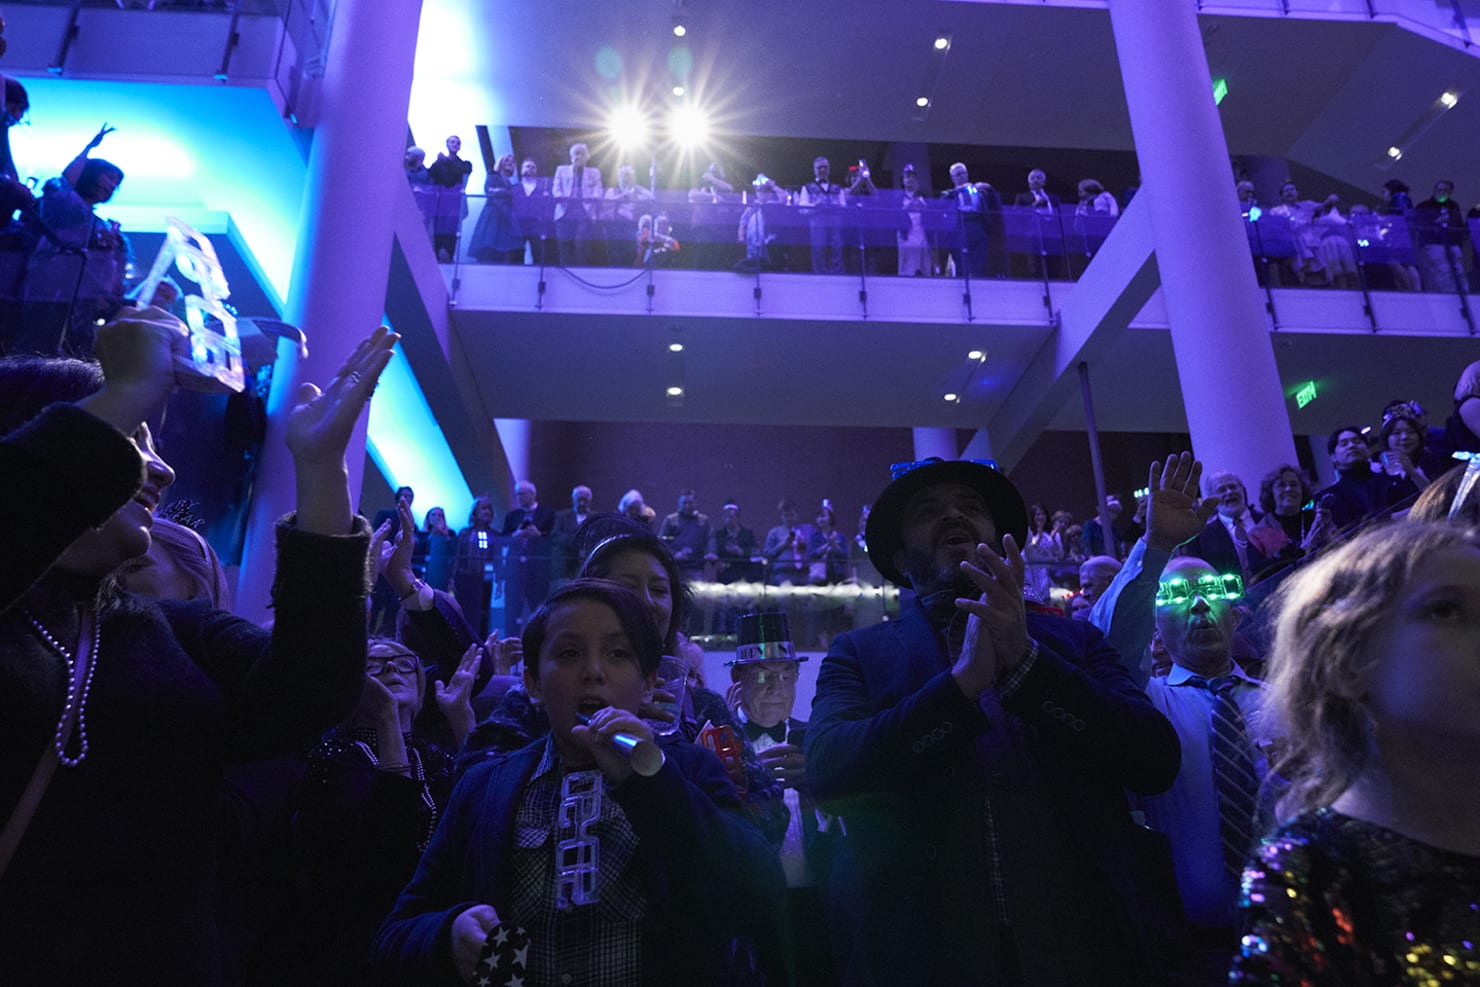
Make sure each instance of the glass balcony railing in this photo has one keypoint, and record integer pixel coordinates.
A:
(879, 234)
(884, 235)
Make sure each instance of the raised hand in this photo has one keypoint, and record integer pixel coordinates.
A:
(997, 622)
(597, 735)
(393, 554)
(1174, 512)
(137, 356)
(97, 140)
(376, 708)
(455, 696)
(319, 427)
(733, 697)
(509, 654)
(318, 433)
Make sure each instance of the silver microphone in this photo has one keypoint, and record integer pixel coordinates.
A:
(644, 756)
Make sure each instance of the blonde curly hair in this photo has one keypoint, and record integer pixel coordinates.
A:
(1325, 615)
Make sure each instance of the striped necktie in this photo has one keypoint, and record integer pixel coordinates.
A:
(1234, 779)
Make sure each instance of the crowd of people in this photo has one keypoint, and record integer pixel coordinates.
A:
(969, 229)
(1253, 760)
(1218, 738)
(1262, 526)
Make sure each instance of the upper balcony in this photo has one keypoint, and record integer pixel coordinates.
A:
(772, 343)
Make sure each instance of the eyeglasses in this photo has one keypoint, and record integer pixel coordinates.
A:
(760, 676)
(1170, 592)
(405, 664)
(896, 470)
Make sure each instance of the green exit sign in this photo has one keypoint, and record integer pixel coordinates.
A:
(1220, 89)
(1306, 394)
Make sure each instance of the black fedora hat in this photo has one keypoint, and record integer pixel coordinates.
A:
(885, 530)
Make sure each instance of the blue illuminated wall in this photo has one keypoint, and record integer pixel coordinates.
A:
(184, 149)
(202, 151)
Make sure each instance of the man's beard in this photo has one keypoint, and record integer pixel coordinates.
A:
(927, 578)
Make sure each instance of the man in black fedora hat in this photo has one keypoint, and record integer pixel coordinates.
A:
(762, 693)
(978, 755)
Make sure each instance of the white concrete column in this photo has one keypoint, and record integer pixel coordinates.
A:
(936, 442)
(980, 446)
(343, 254)
(1230, 384)
(514, 434)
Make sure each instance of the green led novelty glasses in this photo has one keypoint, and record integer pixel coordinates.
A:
(1170, 592)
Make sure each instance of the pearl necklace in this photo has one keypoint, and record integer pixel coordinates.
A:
(76, 703)
(418, 773)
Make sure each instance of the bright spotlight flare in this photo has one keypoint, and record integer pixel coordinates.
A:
(688, 126)
(628, 126)
(644, 756)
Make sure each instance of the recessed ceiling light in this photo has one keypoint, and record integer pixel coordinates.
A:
(942, 43)
(1395, 153)
(976, 355)
(675, 347)
(922, 101)
(1449, 99)
(675, 392)
(679, 30)
(679, 90)
(951, 398)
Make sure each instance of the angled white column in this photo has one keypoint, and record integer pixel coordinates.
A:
(514, 434)
(1230, 384)
(344, 245)
(940, 442)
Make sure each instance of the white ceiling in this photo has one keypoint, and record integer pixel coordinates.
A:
(1331, 94)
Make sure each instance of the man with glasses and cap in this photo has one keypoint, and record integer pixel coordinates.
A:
(978, 754)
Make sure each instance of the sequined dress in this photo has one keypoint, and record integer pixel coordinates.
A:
(1329, 899)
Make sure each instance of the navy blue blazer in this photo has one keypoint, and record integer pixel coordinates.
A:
(708, 872)
(912, 765)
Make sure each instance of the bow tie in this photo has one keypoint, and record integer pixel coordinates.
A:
(754, 732)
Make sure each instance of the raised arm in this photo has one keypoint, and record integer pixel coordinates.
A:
(73, 171)
(319, 430)
(1126, 611)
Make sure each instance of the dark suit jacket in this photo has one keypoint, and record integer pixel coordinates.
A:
(533, 214)
(1026, 199)
(562, 538)
(1214, 545)
(1356, 497)
(544, 519)
(707, 872)
(912, 766)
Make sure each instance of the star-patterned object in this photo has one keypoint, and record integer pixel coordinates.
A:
(504, 957)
